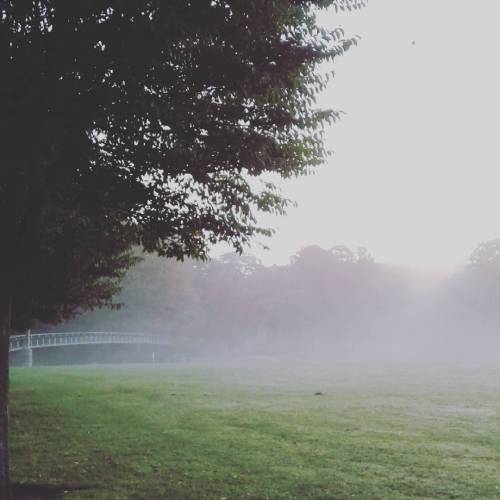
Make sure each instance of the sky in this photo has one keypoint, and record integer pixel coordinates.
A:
(416, 166)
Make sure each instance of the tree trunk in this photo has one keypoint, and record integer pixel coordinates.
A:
(5, 313)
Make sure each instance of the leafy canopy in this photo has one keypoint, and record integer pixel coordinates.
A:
(130, 122)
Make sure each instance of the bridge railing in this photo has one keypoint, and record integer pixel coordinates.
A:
(18, 342)
(38, 340)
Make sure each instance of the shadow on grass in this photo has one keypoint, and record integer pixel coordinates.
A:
(40, 492)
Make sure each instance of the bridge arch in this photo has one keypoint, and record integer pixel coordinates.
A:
(27, 342)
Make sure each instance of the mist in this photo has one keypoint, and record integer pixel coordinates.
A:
(336, 303)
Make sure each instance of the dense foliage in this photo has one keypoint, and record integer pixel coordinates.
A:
(144, 122)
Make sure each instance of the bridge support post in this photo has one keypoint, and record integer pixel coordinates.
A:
(27, 357)
(27, 352)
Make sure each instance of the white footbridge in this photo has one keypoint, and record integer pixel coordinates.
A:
(27, 342)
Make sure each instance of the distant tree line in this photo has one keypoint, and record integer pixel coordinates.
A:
(323, 300)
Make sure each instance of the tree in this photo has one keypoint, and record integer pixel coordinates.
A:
(479, 285)
(67, 270)
(486, 255)
(157, 296)
(142, 123)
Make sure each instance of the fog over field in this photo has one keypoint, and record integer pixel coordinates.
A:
(328, 303)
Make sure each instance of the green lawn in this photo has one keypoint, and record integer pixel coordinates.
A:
(257, 430)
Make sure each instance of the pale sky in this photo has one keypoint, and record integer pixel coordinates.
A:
(416, 172)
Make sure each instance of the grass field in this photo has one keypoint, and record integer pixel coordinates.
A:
(258, 430)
